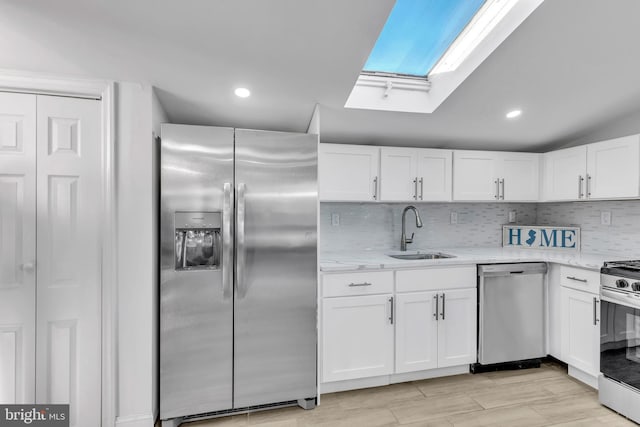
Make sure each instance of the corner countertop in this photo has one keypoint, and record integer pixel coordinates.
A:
(378, 259)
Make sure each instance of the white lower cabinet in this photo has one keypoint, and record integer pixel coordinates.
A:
(416, 331)
(357, 337)
(408, 322)
(435, 329)
(457, 328)
(581, 330)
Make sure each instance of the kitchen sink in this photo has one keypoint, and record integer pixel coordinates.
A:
(421, 255)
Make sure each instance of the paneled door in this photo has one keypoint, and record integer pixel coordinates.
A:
(68, 256)
(50, 280)
(17, 247)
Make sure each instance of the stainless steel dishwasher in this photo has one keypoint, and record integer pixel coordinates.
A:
(510, 315)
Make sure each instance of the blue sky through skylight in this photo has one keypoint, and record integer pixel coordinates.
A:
(418, 33)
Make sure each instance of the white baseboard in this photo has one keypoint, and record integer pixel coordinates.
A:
(138, 420)
(586, 378)
(383, 380)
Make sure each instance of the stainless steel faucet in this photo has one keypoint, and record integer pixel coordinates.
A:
(403, 238)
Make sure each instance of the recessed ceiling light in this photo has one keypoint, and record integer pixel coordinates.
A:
(513, 114)
(242, 92)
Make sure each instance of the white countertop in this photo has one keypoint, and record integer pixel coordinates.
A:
(376, 259)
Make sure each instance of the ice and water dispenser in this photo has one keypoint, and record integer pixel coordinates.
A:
(198, 242)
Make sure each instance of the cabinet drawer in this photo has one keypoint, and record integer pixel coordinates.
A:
(580, 279)
(339, 285)
(436, 278)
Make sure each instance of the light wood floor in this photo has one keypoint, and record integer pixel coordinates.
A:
(532, 397)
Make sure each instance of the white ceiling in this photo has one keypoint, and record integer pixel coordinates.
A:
(572, 66)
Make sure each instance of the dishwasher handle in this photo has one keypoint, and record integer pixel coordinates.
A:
(495, 270)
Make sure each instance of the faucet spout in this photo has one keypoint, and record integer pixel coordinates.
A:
(403, 238)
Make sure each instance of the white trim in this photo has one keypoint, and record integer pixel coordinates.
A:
(139, 420)
(29, 82)
(335, 386)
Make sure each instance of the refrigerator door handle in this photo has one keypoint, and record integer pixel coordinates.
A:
(240, 247)
(227, 247)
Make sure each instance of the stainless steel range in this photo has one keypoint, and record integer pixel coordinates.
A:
(619, 382)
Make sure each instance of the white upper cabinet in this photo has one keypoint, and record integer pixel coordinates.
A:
(348, 172)
(435, 174)
(398, 174)
(415, 174)
(475, 175)
(603, 170)
(520, 177)
(497, 176)
(564, 174)
(613, 168)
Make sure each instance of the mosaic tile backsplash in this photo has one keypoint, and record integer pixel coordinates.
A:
(378, 226)
(621, 237)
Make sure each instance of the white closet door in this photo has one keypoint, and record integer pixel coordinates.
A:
(17, 247)
(68, 246)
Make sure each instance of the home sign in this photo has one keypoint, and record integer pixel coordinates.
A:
(541, 237)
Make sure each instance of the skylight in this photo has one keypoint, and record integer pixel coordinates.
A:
(418, 33)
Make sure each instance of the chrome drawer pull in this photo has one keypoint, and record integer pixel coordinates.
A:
(359, 284)
(577, 279)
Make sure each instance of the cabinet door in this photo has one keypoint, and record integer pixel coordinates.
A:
(416, 331)
(613, 168)
(398, 174)
(357, 337)
(564, 174)
(457, 329)
(348, 172)
(580, 330)
(434, 174)
(520, 177)
(475, 175)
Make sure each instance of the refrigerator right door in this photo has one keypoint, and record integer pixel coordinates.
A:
(276, 267)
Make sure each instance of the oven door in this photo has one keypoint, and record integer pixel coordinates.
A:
(620, 337)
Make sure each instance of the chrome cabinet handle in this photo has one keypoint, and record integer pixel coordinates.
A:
(580, 180)
(595, 311)
(497, 183)
(240, 243)
(502, 184)
(435, 314)
(359, 284)
(577, 279)
(28, 267)
(421, 188)
(375, 188)
(391, 315)
(415, 189)
(443, 308)
(227, 247)
(588, 186)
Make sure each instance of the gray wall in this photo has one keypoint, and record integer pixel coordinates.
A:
(378, 226)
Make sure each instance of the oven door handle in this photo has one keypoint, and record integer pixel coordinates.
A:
(622, 298)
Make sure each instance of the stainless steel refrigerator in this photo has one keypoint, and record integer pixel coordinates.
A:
(238, 279)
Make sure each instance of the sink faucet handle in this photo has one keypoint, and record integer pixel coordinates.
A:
(410, 239)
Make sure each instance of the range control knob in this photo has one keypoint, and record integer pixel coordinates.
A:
(621, 283)
(635, 286)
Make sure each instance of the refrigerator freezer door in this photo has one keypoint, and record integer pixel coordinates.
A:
(276, 275)
(196, 312)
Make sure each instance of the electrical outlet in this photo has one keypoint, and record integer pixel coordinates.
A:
(454, 217)
(605, 218)
(335, 219)
(512, 216)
